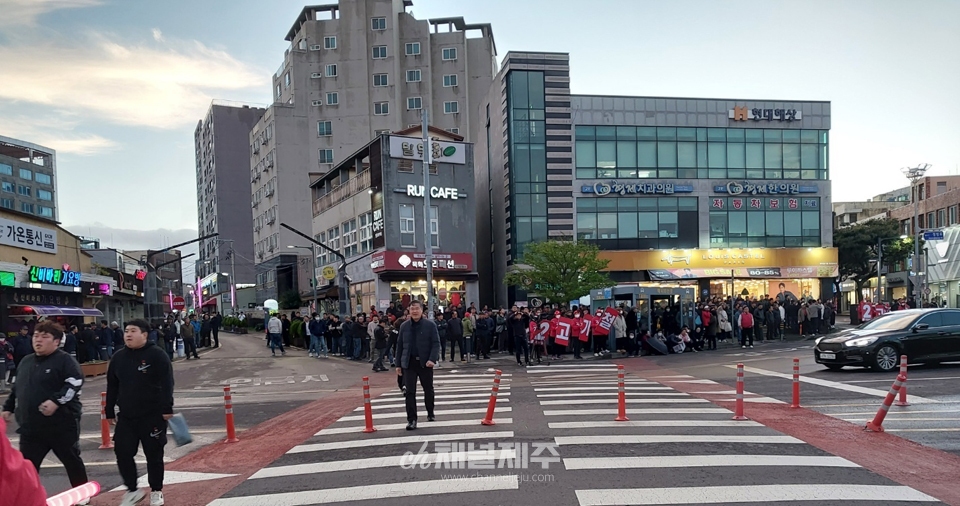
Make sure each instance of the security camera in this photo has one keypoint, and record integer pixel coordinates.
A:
(25, 260)
(348, 279)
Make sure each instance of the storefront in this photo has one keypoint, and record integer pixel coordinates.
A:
(402, 278)
(31, 293)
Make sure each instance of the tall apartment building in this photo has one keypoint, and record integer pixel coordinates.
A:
(353, 70)
(221, 139)
(28, 178)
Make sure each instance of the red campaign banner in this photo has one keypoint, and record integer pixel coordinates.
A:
(564, 328)
(605, 322)
(539, 331)
(585, 326)
(533, 330)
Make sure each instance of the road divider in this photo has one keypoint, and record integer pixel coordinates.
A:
(105, 442)
(738, 413)
(367, 410)
(902, 401)
(876, 425)
(621, 397)
(492, 406)
(228, 413)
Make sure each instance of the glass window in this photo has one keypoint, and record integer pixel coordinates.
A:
(607, 225)
(609, 204)
(932, 320)
(772, 156)
(6, 203)
(380, 80)
(379, 52)
(378, 23)
(535, 90)
(627, 204)
(434, 227)
(585, 133)
(808, 156)
(950, 318)
(325, 155)
(606, 133)
(44, 195)
(702, 155)
(27, 208)
(648, 225)
(518, 90)
(646, 133)
(381, 108)
(606, 154)
(687, 134)
(626, 133)
(449, 80)
(449, 53)
(412, 48)
(626, 153)
(791, 156)
(755, 224)
(687, 153)
(453, 107)
(735, 156)
(716, 135)
(628, 226)
(717, 153)
(718, 224)
(669, 225)
(647, 154)
(324, 128)
(771, 135)
(8, 187)
(586, 204)
(791, 136)
(407, 226)
(538, 165)
(331, 70)
(24, 190)
(667, 153)
(666, 134)
(26, 174)
(774, 223)
(667, 203)
(586, 153)
(414, 103)
(811, 224)
(754, 155)
(687, 203)
(791, 224)
(586, 225)
(808, 136)
(734, 135)
(6, 170)
(753, 135)
(333, 98)
(329, 42)
(737, 224)
(413, 76)
(520, 165)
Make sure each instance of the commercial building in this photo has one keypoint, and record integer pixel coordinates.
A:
(129, 275)
(851, 213)
(371, 207)
(221, 142)
(353, 70)
(28, 178)
(731, 197)
(166, 285)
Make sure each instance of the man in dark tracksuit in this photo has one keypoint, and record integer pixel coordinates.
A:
(46, 401)
(140, 383)
(418, 350)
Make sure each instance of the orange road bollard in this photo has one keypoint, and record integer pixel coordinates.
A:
(902, 401)
(367, 410)
(621, 397)
(796, 384)
(105, 442)
(738, 414)
(492, 405)
(876, 425)
(228, 409)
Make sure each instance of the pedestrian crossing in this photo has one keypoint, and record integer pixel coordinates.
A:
(680, 449)
(341, 463)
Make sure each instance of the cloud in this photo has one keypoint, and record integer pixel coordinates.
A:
(162, 85)
(157, 35)
(55, 130)
(25, 12)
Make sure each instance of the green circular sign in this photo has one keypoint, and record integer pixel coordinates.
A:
(449, 150)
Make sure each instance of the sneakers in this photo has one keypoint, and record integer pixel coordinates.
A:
(84, 502)
(310, 354)
(156, 498)
(132, 497)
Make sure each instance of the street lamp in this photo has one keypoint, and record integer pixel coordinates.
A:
(914, 174)
(880, 242)
(313, 271)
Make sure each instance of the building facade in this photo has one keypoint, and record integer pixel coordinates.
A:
(371, 208)
(851, 213)
(28, 178)
(353, 70)
(732, 197)
(221, 141)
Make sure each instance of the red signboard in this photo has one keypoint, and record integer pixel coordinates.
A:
(401, 261)
(179, 303)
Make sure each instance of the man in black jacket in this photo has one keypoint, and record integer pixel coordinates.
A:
(215, 323)
(140, 383)
(517, 330)
(46, 401)
(418, 350)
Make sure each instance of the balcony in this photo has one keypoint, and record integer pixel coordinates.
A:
(343, 192)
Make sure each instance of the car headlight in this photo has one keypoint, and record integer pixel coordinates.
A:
(816, 342)
(864, 341)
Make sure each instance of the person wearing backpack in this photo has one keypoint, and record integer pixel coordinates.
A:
(745, 322)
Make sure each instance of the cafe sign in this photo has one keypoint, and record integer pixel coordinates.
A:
(602, 189)
(411, 148)
(404, 261)
(435, 192)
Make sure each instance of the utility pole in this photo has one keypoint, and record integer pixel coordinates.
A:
(915, 174)
(427, 222)
(151, 273)
(341, 270)
(233, 281)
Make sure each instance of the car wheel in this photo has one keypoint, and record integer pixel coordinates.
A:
(886, 358)
(834, 367)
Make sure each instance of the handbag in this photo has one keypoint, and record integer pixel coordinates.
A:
(180, 430)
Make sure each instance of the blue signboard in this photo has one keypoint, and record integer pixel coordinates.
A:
(613, 187)
(933, 235)
(758, 188)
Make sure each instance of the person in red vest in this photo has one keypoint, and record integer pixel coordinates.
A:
(19, 480)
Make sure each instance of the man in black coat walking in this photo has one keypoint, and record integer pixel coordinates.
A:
(418, 350)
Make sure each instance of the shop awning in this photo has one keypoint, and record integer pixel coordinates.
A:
(209, 302)
(63, 311)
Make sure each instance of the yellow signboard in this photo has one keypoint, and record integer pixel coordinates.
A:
(721, 258)
(329, 272)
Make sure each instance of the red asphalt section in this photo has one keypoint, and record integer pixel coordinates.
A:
(926, 469)
(258, 446)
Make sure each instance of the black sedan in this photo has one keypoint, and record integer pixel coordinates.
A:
(924, 335)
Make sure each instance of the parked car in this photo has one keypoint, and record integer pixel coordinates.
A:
(923, 335)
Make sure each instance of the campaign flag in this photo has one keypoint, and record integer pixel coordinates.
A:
(539, 331)
(564, 328)
(606, 322)
(585, 325)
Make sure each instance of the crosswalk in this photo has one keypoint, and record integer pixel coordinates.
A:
(681, 449)
(340, 463)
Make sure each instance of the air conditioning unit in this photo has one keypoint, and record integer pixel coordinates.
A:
(270, 248)
(315, 47)
(270, 192)
(260, 254)
(263, 139)
(256, 149)
(316, 75)
(269, 163)
(317, 103)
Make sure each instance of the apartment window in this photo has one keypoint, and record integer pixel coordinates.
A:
(320, 252)
(6, 170)
(8, 187)
(27, 208)
(333, 235)
(449, 53)
(333, 98)
(46, 212)
(449, 80)
(329, 42)
(413, 76)
(379, 52)
(286, 80)
(6, 203)
(451, 107)
(412, 48)
(380, 80)
(378, 23)
(953, 215)
(455, 131)
(43, 178)
(324, 128)
(366, 232)
(350, 246)
(414, 103)
(23, 190)
(278, 91)
(434, 227)
(325, 155)
(381, 108)
(407, 226)
(331, 70)
(26, 174)
(44, 195)
(941, 218)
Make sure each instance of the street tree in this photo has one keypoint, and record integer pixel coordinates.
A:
(559, 270)
(857, 249)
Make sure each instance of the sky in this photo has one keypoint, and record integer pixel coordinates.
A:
(117, 86)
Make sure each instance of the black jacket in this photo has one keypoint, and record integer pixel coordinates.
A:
(442, 328)
(484, 327)
(427, 339)
(22, 346)
(55, 377)
(454, 328)
(140, 383)
(380, 338)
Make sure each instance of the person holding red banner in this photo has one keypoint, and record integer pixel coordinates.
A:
(575, 330)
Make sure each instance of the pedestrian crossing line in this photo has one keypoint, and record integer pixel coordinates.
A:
(611, 393)
(387, 441)
(637, 411)
(572, 366)
(458, 381)
(678, 461)
(438, 397)
(680, 438)
(901, 419)
(330, 431)
(581, 391)
(490, 376)
(740, 494)
(500, 399)
(675, 376)
(593, 383)
(895, 413)
(613, 400)
(695, 382)
(602, 424)
(403, 461)
(759, 400)
(398, 393)
(387, 491)
(467, 411)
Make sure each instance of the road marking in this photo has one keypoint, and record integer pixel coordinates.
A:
(381, 491)
(438, 397)
(358, 429)
(386, 441)
(629, 401)
(501, 399)
(867, 416)
(406, 461)
(584, 391)
(749, 494)
(612, 381)
(599, 424)
(487, 376)
(673, 376)
(610, 393)
(759, 400)
(676, 461)
(398, 393)
(909, 380)
(892, 413)
(915, 399)
(680, 438)
(572, 366)
(695, 382)
(462, 382)
(172, 477)
(637, 411)
(356, 418)
(924, 430)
